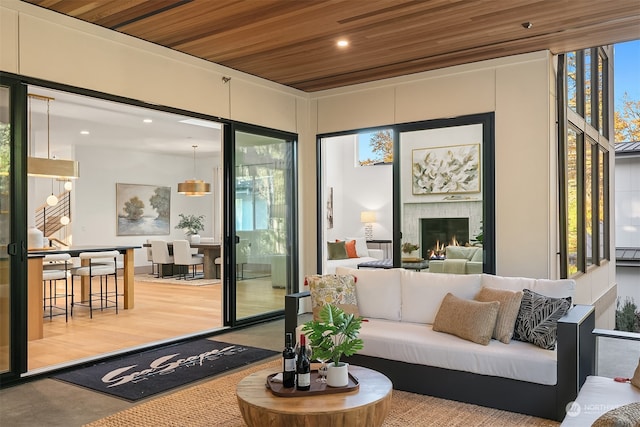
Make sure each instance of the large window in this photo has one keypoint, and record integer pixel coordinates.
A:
(586, 161)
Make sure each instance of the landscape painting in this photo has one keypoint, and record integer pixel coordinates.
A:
(142, 209)
(446, 170)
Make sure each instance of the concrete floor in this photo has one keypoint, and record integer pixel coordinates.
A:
(52, 403)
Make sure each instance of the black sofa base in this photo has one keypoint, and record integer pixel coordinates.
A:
(494, 392)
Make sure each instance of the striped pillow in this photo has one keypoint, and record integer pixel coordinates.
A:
(537, 320)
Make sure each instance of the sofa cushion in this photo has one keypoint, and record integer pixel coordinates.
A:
(537, 320)
(508, 312)
(336, 250)
(332, 289)
(361, 246)
(468, 319)
(378, 292)
(422, 293)
(419, 344)
(623, 416)
(561, 288)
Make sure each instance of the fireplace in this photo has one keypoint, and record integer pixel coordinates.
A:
(438, 233)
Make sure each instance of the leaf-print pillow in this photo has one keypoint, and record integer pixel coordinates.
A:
(537, 320)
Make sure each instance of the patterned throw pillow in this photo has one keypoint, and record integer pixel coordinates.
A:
(333, 289)
(537, 320)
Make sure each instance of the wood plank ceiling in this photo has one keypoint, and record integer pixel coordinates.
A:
(293, 42)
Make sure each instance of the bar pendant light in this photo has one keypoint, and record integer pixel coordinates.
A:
(194, 187)
(50, 168)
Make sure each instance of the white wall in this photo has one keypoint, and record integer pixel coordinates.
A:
(94, 196)
(627, 202)
(356, 189)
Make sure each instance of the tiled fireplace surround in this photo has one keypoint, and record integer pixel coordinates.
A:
(414, 212)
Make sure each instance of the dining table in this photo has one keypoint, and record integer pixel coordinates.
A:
(211, 251)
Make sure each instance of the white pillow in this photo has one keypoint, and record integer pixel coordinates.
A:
(560, 288)
(361, 246)
(377, 292)
(422, 293)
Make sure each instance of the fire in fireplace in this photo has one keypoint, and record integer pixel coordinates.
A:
(438, 233)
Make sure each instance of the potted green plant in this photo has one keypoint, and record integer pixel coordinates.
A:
(335, 334)
(192, 225)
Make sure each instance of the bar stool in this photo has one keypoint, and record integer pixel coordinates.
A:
(101, 264)
(55, 267)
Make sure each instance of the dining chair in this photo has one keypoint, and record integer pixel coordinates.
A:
(160, 255)
(150, 257)
(101, 264)
(55, 267)
(184, 258)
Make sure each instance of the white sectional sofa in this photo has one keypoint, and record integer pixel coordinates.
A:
(400, 308)
(364, 255)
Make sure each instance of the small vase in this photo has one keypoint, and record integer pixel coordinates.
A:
(338, 376)
(195, 239)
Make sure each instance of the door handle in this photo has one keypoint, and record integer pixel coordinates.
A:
(12, 249)
(237, 239)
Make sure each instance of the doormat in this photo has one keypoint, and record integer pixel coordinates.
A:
(145, 374)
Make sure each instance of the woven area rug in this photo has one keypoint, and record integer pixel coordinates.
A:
(214, 403)
(175, 280)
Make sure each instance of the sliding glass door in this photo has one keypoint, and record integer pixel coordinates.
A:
(261, 222)
(13, 260)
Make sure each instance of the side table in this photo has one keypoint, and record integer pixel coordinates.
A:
(367, 406)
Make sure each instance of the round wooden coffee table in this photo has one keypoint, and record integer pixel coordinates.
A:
(367, 406)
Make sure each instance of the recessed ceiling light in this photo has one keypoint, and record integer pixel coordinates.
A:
(342, 43)
(148, 121)
(84, 132)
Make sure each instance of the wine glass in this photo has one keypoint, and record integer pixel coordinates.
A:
(322, 370)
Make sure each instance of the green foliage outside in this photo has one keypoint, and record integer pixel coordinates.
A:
(381, 144)
(627, 316)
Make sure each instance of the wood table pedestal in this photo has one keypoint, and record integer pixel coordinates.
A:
(367, 406)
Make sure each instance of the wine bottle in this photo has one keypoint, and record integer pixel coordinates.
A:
(289, 363)
(303, 366)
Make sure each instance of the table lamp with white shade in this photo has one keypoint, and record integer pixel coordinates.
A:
(368, 218)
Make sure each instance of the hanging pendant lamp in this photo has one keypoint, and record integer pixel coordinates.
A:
(194, 187)
(50, 167)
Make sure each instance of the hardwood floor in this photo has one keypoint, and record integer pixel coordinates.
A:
(162, 311)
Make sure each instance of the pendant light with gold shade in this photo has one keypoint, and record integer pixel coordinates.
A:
(50, 167)
(194, 187)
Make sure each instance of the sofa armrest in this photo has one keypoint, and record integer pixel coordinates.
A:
(576, 353)
(376, 253)
(291, 306)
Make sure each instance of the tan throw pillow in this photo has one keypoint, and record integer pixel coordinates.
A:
(635, 380)
(333, 289)
(467, 319)
(508, 312)
(622, 416)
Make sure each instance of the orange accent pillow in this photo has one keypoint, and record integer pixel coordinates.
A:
(351, 249)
